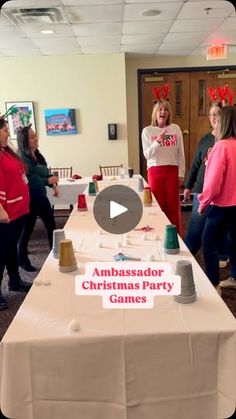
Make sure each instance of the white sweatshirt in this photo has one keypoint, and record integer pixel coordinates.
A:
(170, 153)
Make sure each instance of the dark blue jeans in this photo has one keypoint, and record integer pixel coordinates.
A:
(219, 221)
(193, 239)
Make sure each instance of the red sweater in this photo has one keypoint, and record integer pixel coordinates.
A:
(14, 190)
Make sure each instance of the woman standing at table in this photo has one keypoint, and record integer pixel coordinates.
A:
(39, 177)
(195, 178)
(14, 205)
(163, 148)
(218, 199)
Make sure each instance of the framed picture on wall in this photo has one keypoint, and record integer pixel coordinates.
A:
(19, 114)
(60, 121)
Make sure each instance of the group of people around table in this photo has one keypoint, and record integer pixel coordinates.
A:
(212, 177)
(23, 180)
(25, 175)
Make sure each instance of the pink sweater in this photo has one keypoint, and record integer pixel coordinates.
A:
(220, 177)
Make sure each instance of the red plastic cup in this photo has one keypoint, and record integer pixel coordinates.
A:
(82, 204)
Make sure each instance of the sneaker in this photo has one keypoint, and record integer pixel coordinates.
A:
(3, 303)
(223, 263)
(28, 267)
(20, 285)
(229, 283)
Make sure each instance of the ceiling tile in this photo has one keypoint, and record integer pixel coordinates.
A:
(95, 13)
(229, 24)
(130, 28)
(99, 40)
(99, 49)
(90, 2)
(168, 11)
(60, 51)
(62, 42)
(199, 10)
(18, 4)
(195, 25)
(190, 36)
(141, 49)
(218, 37)
(88, 29)
(175, 49)
(20, 52)
(16, 43)
(141, 39)
(59, 30)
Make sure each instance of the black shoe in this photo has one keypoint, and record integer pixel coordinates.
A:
(3, 303)
(20, 286)
(28, 267)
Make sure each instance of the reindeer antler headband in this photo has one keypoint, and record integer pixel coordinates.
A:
(162, 92)
(223, 94)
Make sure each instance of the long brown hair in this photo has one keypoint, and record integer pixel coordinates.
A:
(228, 122)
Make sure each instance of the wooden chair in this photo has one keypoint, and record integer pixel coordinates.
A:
(110, 170)
(63, 172)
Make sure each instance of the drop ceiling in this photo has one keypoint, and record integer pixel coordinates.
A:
(135, 27)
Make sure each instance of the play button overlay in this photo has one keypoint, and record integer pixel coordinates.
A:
(118, 209)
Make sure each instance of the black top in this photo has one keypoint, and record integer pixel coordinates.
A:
(196, 173)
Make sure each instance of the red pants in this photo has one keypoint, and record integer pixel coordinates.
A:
(164, 184)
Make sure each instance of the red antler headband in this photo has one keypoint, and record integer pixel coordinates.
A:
(223, 94)
(162, 92)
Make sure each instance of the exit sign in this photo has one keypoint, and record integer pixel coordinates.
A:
(216, 52)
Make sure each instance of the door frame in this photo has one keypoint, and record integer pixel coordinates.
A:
(155, 71)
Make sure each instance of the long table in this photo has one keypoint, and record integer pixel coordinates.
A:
(174, 361)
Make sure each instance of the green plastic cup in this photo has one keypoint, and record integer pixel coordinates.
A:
(171, 241)
(92, 189)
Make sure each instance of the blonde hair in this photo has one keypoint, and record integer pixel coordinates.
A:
(155, 109)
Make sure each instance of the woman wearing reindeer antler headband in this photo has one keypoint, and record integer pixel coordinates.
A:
(219, 97)
(163, 148)
(218, 199)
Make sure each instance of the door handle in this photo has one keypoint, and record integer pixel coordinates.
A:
(185, 132)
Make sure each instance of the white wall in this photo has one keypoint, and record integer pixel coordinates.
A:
(93, 84)
(132, 65)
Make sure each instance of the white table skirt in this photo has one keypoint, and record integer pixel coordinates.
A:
(69, 189)
(174, 361)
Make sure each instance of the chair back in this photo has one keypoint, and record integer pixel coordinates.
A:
(63, 172)
(110, 170)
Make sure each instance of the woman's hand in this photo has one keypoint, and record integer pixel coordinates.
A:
(160, 139)
(187, 193)
(55, 190)
(181, 179)
(4, 218)
(53, 180)
(200, 211)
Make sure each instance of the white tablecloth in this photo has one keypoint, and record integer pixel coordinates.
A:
(174, 361)
(68, 191)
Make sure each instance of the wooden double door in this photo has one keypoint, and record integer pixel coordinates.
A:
(189, 102)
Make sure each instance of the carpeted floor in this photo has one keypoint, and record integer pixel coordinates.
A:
(38, 253)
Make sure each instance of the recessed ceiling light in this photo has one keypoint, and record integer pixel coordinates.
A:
(150, 12)
(47, 31)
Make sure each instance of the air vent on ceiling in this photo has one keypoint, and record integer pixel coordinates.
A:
(35, 15)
